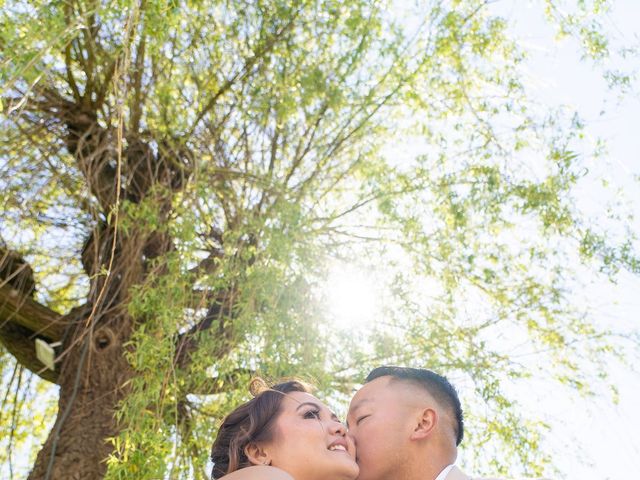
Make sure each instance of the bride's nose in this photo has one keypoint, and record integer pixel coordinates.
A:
(338, 428)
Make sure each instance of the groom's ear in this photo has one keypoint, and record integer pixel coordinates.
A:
(256, 454)
(425, 424)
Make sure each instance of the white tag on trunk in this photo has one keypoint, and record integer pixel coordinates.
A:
(46, 353)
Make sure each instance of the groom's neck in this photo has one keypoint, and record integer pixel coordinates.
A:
(424, 470)
(427, 464)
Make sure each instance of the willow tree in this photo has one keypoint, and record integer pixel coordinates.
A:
(176, 175)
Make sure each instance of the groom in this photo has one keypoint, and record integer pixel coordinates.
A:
(407, 424)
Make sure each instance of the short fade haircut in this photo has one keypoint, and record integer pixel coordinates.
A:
(438, 386)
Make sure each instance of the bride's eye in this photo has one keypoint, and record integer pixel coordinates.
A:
(312, 414)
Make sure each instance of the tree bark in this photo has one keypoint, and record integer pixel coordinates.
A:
(94, 372)
(92, 382)
(22, 319)
(19, 342)
(22, 310)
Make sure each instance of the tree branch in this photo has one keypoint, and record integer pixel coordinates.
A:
(220, 316)
(26, 312)
(20, 343)
(221, 384)
(245, 71)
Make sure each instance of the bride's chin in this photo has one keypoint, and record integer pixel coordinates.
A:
(351, 472)
(346, 469)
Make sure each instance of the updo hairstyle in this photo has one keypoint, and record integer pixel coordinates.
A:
(250, 422)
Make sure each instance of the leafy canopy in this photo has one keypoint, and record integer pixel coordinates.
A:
(289, 121)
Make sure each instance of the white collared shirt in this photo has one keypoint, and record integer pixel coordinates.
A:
(443, 474)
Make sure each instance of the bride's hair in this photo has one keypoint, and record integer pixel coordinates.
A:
(250, 422)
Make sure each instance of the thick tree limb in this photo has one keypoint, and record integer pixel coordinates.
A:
(26, 312)
(19, 342)
(219, 316)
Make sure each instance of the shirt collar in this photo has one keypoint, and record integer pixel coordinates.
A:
(443, 474)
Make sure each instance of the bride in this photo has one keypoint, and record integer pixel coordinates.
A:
(283, 433)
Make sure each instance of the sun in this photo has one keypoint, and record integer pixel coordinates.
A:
(351, 296)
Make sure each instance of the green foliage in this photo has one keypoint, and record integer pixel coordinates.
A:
(22, 392)
(286, 113)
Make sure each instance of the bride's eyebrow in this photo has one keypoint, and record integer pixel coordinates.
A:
(313, 404)
(308, 403)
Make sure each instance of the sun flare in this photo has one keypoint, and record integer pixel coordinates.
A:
(351, 297)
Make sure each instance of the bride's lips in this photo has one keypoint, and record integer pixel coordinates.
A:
(339, 445)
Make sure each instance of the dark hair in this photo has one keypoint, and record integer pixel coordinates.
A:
(250, 422)
(438, 386)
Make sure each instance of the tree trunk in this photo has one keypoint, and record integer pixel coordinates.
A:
(92, 382)
(93, 369)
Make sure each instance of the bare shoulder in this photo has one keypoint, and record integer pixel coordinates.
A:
(258, 473)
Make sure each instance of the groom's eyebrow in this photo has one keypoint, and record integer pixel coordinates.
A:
(359, 404)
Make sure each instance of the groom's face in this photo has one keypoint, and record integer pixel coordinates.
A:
(380, 422)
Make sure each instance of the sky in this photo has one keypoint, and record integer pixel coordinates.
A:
(591, 438)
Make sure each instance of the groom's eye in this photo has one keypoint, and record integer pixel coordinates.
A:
(359, 419)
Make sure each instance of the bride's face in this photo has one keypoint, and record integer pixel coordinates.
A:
(309, 442)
